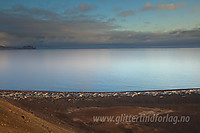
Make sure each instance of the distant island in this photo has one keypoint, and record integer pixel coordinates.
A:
(28, 47)
(24, 47)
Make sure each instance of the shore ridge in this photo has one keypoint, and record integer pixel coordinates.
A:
(58, 95)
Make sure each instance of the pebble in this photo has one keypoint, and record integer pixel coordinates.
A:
(58, 95)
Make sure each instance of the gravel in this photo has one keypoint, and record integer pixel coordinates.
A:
(58, 95)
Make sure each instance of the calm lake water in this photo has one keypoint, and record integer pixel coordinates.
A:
(99, 69)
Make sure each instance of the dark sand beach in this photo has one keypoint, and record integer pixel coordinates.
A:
(62, 112)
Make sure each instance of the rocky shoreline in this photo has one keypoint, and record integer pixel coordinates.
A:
(58, 95)
(51, 111)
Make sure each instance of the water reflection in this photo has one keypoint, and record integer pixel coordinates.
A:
(99, 70)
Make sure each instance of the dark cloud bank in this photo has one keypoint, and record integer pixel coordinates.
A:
(73, 29)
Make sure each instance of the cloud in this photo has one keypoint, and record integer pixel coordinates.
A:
(21, 26)
(178, 38)
(197, 9)
(33, 12)
(86, 8)
(110, 20)
(194, 33)
(146, 22)
(117, 8)
(148, 6)
(2, 35)
(126, 13)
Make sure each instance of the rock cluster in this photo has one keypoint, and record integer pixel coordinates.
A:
(58, 95)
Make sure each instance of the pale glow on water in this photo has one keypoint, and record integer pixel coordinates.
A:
(99, 70)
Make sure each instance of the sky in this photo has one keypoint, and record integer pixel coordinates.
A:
(100, 23)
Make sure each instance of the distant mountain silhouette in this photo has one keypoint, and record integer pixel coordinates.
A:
(24, 47)
(28, 47)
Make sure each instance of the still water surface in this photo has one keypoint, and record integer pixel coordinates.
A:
(99, 69)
